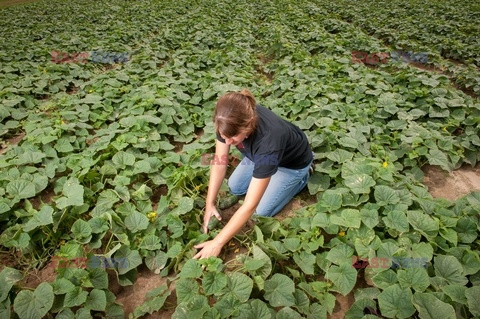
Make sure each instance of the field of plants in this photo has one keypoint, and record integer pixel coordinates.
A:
(104, 159)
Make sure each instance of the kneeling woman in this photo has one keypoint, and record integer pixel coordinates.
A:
(275, 166)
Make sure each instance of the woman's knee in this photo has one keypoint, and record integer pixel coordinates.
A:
(236, 187)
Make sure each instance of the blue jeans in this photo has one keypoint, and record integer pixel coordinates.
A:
(283, 185)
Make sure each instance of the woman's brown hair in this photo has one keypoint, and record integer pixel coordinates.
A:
(234, 113)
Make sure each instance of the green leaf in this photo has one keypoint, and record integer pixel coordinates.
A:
(473, 300)
(456, 293)
(422, 222)
(136, 222)
(348, 218)
(191, 269)
(396, 220)
(449, 269)
(331, 200)
(34, 304)
(360, 183)
(318, 182)
(239, 285)
(133, 257)
(266, 269)
(340, 156)
(416, 278)
(75, 297)
(287, 313)
(62, 286)
(430, 307)
(122, 159)
(184, 206)
(82, 231)
(344, 277)
(41, 218)
(186, 289)
(305, 261)
(192, 309)
(395, 302)
(385, 195)
(213, 283)
(96, 300)
(73, 194)
(279, 291)
(437, 157)
(254, 309)
(340, 254)
(21, 189)
(356, 310)
(8, 277)
(369, 217)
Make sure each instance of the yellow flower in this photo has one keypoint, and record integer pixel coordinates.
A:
(342, 233)
(152, 216)
(385, 164)
(62, 242)
(445, 129)
(90, 91)
(63, 122)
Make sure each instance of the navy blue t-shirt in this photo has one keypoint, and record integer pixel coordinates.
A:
(275, 142)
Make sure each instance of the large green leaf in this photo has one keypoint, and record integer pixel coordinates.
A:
(40, 218)
(21, 189)
(385, 195)
(34, 304)
(430, 307)
(279, 291)
(359, 184)
(449, 270)
(82, 231)
(136, 222)
(473, 300)
(347, 217)
(8, 277)
(73, 194)
(344, 277)
(239, 285)
(396, 302)
(425, 224)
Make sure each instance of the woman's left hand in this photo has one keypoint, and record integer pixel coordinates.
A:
(209, 248)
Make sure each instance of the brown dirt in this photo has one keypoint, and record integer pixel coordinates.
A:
(451, 185)
(72, 89)
(7, 259)
(14, 2)
(11, 142)
(133, 296)
(36, 277)
(46, 197)
(157, 193)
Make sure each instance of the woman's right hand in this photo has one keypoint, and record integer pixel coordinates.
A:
(209, 211)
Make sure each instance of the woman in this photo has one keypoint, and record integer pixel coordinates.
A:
(275, 167)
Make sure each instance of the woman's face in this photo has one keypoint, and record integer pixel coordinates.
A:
(235, 140)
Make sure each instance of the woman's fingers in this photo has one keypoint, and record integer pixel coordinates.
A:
(200, 245)
(217, 215)
(197, 255)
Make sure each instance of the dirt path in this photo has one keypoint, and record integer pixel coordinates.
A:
(452, 185)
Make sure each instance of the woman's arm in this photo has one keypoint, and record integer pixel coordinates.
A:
(217, 174)
(254, 194)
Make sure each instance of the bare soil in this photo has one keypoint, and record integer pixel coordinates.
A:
(11, 142)
(454, 185)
